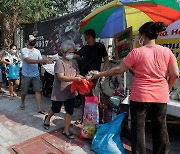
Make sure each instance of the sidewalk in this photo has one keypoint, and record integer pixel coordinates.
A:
(22, 132)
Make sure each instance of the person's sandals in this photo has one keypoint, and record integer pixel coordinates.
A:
(22, 107)
(69, 136)
(2, 91)
(42, 112)
(14, 94)
(46, 126)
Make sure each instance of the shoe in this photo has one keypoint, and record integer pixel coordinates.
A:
(69, 136)
(42, 112)
(46, 126)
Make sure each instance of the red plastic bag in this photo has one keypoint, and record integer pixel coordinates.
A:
(83, 87)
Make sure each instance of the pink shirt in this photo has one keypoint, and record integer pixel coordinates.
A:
(150, 66)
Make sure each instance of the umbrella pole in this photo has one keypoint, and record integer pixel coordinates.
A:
(124, 27)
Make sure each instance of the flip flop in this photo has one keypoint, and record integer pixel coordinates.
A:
(46, 126)
(69, 136)
(22, 107)
(42, 112)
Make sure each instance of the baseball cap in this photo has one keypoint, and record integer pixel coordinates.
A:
(31, 38)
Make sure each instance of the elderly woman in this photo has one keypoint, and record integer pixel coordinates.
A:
(66, 71)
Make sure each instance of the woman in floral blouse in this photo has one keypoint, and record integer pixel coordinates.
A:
(11, 58)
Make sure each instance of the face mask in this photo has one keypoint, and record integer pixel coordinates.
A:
(69, 56)
(32, 43)
(141, 41)
(13, 51)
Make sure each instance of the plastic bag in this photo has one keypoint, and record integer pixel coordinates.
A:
(107, 138)
(83, 87)
(90, 117)
(14, 72)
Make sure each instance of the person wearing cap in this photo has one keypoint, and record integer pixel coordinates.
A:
(31, 57)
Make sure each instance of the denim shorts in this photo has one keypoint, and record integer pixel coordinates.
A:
(26, 81)
(69, 106)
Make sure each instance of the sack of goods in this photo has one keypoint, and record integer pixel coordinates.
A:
(90, 117)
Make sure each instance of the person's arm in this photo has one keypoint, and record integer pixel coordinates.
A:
(106, 62)
(62, 77)
(3, 60)
(121, 68)
(173, 74)
(33, 61)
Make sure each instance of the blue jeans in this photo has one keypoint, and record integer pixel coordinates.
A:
(160, 138)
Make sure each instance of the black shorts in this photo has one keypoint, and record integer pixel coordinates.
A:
(69, 106)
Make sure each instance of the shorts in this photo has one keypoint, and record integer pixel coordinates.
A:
(26, 81)
(69, 106)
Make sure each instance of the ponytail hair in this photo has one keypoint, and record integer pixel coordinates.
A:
(151, 29)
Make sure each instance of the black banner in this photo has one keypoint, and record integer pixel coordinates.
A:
(51, 33)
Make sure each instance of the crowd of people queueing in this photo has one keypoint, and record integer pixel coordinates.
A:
(155, 71)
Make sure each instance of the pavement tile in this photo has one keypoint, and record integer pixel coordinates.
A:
(37, 146)
(52, 143)
(55, 142)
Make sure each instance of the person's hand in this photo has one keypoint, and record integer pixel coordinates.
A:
(43, 61)
(77, 79)
(95, 75)
(50, 60)
(82, 77)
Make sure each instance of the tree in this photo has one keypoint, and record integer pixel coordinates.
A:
(16, 12)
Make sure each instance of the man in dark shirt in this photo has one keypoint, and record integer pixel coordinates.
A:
(92, 54)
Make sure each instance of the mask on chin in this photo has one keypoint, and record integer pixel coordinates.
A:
(69, 56)
(32, 43)
(141, 41)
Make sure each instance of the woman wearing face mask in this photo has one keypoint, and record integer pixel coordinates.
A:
(151, 64)
(66, 71)
(12, 58)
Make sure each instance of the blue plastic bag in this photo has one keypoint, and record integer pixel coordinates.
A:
(107, 138)
(14, 72)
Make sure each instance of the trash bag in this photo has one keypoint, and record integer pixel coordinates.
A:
(14, 72)
(90, 117)
(107, 138)
(83, 87)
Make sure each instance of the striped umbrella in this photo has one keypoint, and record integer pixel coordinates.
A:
(117, 15)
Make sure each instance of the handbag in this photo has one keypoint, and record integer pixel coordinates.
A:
(14, 72)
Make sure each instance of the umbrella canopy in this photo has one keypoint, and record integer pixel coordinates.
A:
(117, 15)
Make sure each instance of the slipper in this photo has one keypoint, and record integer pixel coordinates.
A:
(22, 107)
(14, 94)
(69, 136)
(46, 126)
(2, 91)
(42, 112)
